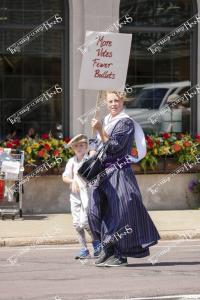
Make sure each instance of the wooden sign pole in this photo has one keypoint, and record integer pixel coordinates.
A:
(98, 103)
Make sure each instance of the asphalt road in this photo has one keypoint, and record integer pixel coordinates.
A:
(51, 273)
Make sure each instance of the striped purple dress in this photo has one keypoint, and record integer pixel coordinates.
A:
(116, 201)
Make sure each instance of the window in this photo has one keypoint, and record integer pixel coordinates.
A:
(150, 98)
(24, 76)
(154, 77)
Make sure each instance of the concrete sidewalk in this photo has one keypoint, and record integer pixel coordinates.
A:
(57, 228)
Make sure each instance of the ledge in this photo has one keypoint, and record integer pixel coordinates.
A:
(165, 166)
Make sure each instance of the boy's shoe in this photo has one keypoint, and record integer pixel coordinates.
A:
(84, 253)
(97, 248)
(116, 262)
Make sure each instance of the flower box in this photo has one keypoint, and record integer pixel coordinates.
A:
(57, 170)
(171, 164)
(165, 152)
(160, 168)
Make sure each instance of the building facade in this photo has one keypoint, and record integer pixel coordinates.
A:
(54, 57)
(178, 62)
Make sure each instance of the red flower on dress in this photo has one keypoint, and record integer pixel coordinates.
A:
(134, 152)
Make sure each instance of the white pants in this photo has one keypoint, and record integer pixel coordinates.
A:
(79, 204)
(79, 211)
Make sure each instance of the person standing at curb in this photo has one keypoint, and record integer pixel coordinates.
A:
(78, 195)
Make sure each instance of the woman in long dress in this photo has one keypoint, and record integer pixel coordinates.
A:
(116, 213)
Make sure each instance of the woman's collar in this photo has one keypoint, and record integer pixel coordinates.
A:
(120, 115)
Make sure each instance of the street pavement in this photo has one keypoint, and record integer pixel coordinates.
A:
(51, 273)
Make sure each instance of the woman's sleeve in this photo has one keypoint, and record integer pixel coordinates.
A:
(120, 135)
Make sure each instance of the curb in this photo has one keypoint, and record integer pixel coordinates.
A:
(15, 242)
(35, 241)
(185, 235)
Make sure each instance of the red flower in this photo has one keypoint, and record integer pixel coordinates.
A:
(13, 143)
(9, 145)
(158, 142)
(56, 152)
(41, 153)
(134, 152)
(47, 147)
(176, 147)
(150, 142)
(45, 136)
(16, 142)
(180, 136)
(187, 144)
(67, 139)
(197, 138)
(166, 135)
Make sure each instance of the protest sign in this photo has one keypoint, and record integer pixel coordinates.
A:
(105, 63)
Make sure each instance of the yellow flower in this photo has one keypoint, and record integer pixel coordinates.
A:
(54, 142)
(35, 145)
(23, 142)
(155, 151)
(30, 161)
(28, 149)
(164, 150)
(193, 151)
(166, 143)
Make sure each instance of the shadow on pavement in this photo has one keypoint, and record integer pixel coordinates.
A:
(35, 218)
(165, 264)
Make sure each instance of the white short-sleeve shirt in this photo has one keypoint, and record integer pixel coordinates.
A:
(73, 165)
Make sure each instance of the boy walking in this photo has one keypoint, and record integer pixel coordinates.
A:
(78, 195)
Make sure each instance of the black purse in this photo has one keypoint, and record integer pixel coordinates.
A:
(93, 166)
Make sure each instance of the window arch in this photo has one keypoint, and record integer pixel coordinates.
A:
(176, 63)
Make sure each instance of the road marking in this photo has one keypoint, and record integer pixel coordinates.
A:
(181, 246)
(177, 297)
